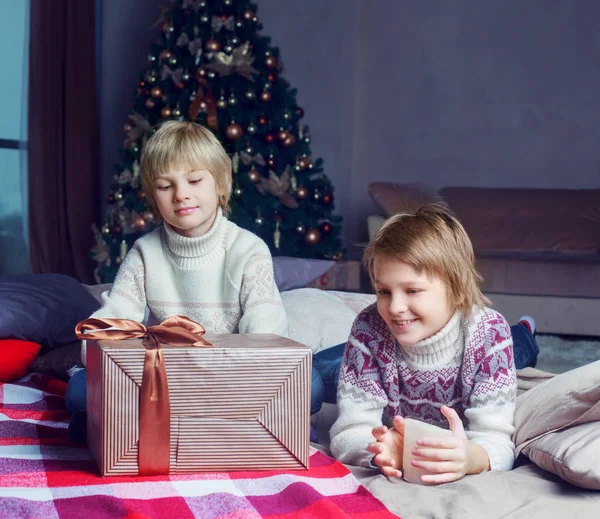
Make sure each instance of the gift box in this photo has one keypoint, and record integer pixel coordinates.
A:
(343, 275)
(242, 403)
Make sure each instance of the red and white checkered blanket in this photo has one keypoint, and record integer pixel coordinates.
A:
(44, 476)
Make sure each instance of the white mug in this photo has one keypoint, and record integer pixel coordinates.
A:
(415, 430)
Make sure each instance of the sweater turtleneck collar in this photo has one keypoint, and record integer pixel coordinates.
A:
(439, 348)
(197, 248)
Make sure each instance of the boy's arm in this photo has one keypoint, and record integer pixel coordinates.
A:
(127, 296)
(262, 307)
(360, 403)
(491, 409)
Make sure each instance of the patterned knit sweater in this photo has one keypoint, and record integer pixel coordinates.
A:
(223, 280)
(468, 365)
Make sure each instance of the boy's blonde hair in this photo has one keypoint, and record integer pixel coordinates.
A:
(435, 243)
(179, 144)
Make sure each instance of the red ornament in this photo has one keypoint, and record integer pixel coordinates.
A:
(262, 120)
(272, 77)
(327, 199)
(127, 127)
(326, 228)
(283, 135)
(304, 162)
(271, 62)
(301, 193)
(265, 96)
(270, 137)
(271, 161)
(165, 54)
(312, 237)
(213, 45)
(290, 140)
(248, 14)
(299, 112)
(234, 132)
(156, 92)
(201, 71)
(149, 103)
(254, 175)
(116, 229)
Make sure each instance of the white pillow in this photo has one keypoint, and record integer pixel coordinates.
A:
(317, 318)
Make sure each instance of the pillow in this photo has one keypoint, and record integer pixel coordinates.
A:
(317, 318)
(15, 358)
(58, 362)
(392, 197)
(546, 417)
(43, 308)
(293, 273)
(573, 454)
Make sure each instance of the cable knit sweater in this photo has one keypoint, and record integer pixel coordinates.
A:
(468, 365)
(223, 280)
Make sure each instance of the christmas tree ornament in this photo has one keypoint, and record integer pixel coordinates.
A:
(204, 19)
(293, 182)
(326, 228)
(304, 162)
(156, 92)
(263, 120)
(312, 237)
(316, 196)
(212, 45)
(122, 250)
(125, 177)
(118, 195)
(136, 168)
(279, 187)
(138, 223)
(271, 161)
(173, 61)
(251, 128)
(327, 199)
(235, 40)
(148, 216)
(151, 58)
(127, 128)
(228, 48)
(272, 77)
(211, 75)
(300, 228)
(270, 137)
(235, 163)
(301, 193)
(165, 112)
(249, 149)
(185, 76)
(299, 112)
(201, 71)
(234, 131)
(177, 111)
(115, 229)
(277, 236)
(271, 61)
(105, 228)
(287, 115)
(250, 95)
(290, 140)
(165, 54)
(237, 191)
(282, 135)
(248, 15)
(232, 101)
(152, 78)
(219, 22)
(239, 62)
(259, 220)
(141, 194)
(228, 2)
(222, 103)
(254, 175)
(247, 158)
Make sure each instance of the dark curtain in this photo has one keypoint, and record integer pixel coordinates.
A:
(63, 137)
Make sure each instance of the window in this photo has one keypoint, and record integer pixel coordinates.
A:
(14, 40)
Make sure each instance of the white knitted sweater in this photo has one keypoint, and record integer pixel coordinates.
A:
(223, 280)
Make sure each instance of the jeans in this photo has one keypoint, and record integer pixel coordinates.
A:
(75, 400)
(326, 365)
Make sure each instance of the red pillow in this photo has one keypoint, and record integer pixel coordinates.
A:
(15, 357)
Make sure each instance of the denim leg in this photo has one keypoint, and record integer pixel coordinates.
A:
(525, 347)
(317, 391)
(75, 400)
(75, 396)
(327, 363)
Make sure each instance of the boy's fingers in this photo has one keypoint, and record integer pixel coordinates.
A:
(454, 420)
(379, 431)
(375, 448)
(391, 473)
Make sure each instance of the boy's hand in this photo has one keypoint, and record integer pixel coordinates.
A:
(449, 458)
(389, 447)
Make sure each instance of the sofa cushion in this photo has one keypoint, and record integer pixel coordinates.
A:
(529, 223)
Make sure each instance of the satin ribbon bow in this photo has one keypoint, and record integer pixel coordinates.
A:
(155, 407)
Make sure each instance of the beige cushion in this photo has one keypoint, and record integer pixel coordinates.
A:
(393, 198)
(546, 421)
(572, 454)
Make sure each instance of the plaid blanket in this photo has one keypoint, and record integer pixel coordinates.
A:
(43, 475)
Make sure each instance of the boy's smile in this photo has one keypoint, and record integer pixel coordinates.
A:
(187, 200)
(414, 306)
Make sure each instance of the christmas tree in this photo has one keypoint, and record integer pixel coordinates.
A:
(210, 65)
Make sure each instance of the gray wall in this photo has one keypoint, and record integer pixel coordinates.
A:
(462, 92)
